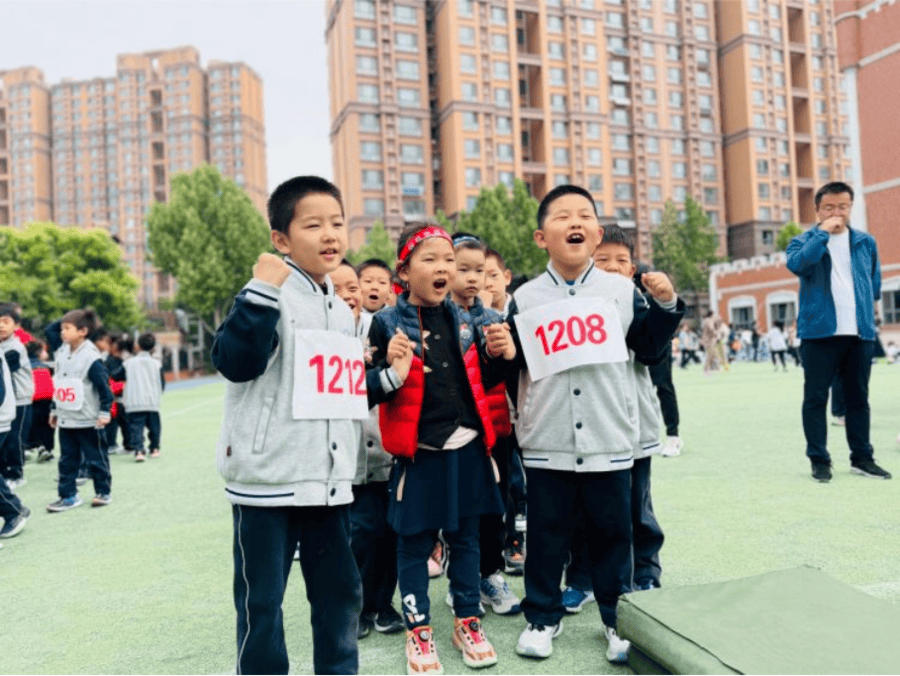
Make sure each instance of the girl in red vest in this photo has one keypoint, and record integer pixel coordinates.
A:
(435, 418)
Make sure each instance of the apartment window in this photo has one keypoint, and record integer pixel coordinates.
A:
(591, 77)
(499, 43)
(651, 120)
(676, 99)
(369, 122)
(588, 27)
(555, 50)
(623, 167)
(759, 120)
(505, 152)
(409, 126)
(595, 182)
(654, 169)
(466, 35)
(671, 6)
(615, 20)
(558, 102)
(503, 124)
(679, 192)
(650, 96)
(561, 179)
(592, 130)
(648, 49)
(765, 214)
(561, 156)
(408, 70)
(673, 75)
(819, 84)
(501, 70)
(710, 195)
(648, 73)
(679, 169)
(702, 56)
(700, 10)
(781, 124)
(362, 9)
(701, 33)
(704, 79)
(373, 207)
(590, 52)
(370, 151)
(554, 24)
(411, 154)
(672, 29)
(762, 190)
(498, 16)
(617, 67)
(594, 157)
(469, 91)
(406, 42)
(753, 27)
(467, 63)
(473, 177)
(560, 130)
(616, 45)
(676, 122)
(366, 65)
(621, 141)
(624, 191)
(652, 144)
(647, 24)
(472, 148)
(756, 74)
(762, 167)
(620, 116)
(367, 93)
(557, 76)
(506, 178)
(656, 216)
(785, 169)
(408, 97)
(470, 121)
(592, 104)
(405, 14)
(759, 97)
(777, 56)
(502, 97)
(465, 7)
(709, 172)
(673, 53)
(372, 179)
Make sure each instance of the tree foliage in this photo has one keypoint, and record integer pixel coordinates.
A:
(506, 221)
(378, 245)
(787, 232)
(685, 248)
(49, 270)
(208, 236)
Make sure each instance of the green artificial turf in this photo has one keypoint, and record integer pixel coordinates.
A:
(144, 585)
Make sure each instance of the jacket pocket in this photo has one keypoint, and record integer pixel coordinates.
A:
(262, 427)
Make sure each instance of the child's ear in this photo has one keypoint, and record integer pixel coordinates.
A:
(633, 270)
(539, 239)
(281, 242)
(403, 273)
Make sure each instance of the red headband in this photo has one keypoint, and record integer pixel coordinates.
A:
(416, 239)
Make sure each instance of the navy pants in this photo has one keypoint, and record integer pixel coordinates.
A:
(265, 539)
(137, 421)
(41, 433)
(374, 545)
(850, 359)
(661, 375)
(15, 443)
(10, 505)
(462, 570)
(87, 444)
(555, 501)
(497, 531)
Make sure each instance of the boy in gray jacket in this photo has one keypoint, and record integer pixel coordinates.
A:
(12, 450)
(291, 433)
(578, 411)
(144, 385)
(12, 511)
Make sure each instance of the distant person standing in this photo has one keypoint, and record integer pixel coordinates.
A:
(840, 280)
(777, 344)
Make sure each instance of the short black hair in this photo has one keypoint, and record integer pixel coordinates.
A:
(33, 348)
(125, 343)
(283, 201)
(466, 240)
(10, 310)
(146, 341)
(493, 253)
(373, 263)
(613, 234)
(83, 319)
(833, 188)
(558, 192)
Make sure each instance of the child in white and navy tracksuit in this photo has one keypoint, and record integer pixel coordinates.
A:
(12, 450)
(12, 511)
(142, 396)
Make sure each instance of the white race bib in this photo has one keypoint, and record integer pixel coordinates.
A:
(68, 393)
(574, 332)
(329, 376)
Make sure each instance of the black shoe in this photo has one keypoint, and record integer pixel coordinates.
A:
(388, 621)
(821, 471)
(869, 468)
(14, 525)
(365, 626)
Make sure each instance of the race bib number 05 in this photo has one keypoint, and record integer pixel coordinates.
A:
(68, 393)
(329, 376)
(560, 336)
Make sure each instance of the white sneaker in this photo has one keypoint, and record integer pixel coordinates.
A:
(617, 651)
(672, 447)
(496, 593)
(838, 421)
(537, 640)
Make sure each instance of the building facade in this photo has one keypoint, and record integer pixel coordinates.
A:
(640, 101)
(100, 152)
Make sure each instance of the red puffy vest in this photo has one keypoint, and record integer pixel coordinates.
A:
(43, 384)
(399, 417)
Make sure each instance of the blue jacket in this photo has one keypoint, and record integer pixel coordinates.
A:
(808, 258)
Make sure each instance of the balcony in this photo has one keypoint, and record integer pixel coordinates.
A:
(534, 167)
(620, 77)
(530, 113)
(797, 46)
(800, 92)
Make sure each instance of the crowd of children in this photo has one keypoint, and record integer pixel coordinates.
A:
(70, 395)
(369, 422)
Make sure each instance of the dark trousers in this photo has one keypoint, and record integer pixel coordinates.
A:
(850, 359)
(647, 537)
(661, 375)
(265, 539)
(838, 405)
(77, 444)
(13, 448)
(497, 530)
(779, 354)
(374, 545)
(41, 434)
(555, 500)
(795, 353)
(137, 421)
(125, 425)
(688, 356)
(10, 505)
(462, 570)
(518, 503)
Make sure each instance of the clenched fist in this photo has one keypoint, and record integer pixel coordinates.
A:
(658, 285)
(499, 341)
(271, 269)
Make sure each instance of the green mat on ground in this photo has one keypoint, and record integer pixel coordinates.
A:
(797, 621)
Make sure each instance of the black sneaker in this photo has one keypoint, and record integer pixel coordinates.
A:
(388, 621)
(821, 471)
(365, 626)
(869, 468)
(14, 525)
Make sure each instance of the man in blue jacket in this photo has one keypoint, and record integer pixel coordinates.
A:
(840, 280)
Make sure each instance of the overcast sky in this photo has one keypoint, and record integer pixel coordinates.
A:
(282, 40)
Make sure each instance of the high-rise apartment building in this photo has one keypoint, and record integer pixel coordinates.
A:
(638, 100)
(116, 142)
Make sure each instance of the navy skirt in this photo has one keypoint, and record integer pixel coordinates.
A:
(441, 487)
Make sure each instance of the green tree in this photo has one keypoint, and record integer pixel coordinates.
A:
(378, 245)
(208, 236)
(49, 270)
(787, 232)
(507, 221)
(685, 248)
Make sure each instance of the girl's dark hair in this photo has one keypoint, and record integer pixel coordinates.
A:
(86, 318)
(408, 231)
(466, 240)
(33, 348)
(125, 343)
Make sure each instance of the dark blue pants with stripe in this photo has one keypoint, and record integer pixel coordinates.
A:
(87, 444)
(12, 450)
(10, 505)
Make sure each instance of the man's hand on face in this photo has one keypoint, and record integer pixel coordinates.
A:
(833, 225)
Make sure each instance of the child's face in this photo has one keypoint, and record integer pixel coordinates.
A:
(102, 344)
(375, 284)
(7, 327)
(316, 239)
(346, 286)
(469, 278)
(430, 271)
(496, 279)
(72, 335)
(570, 233)
(614, 258)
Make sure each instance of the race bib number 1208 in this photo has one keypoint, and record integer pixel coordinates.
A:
(559, 336)
(329, 376)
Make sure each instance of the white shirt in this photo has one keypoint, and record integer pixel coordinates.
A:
(842, 284)
(777, 343)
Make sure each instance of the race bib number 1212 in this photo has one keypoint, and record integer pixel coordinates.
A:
(329, 376)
